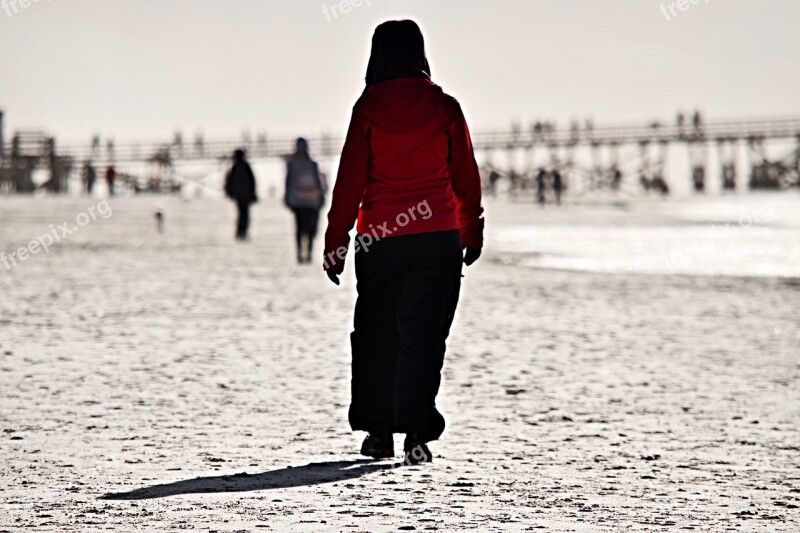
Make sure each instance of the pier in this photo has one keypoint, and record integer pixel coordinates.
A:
(555, 147)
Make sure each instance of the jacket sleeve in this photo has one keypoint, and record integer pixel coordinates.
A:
(465, 180)
(351, 181)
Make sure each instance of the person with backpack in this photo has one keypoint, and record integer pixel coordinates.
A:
(240, 186)
(408, 176)
(304, 195)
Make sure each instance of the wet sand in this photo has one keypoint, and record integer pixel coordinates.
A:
(182, 381)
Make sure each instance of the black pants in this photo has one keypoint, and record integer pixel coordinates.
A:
(306, 220)
(408, 288)
(243, 222)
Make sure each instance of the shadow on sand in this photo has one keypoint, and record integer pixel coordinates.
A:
(282, 478)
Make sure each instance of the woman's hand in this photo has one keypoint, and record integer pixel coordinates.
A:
(471, 255)
(333, 265)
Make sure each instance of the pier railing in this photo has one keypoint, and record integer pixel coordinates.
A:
(33, 144)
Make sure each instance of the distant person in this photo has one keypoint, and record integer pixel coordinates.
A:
(240, 186)
(660, 184)
(699, 177)
(697, 122)
(408, 175)
(159, 216)
(516, 179)
(89, 177)
(616, 178)
(558, 185)
(304, 194)
(494, 177)
(541, 183)
(645, 181)
(537, 130)
(111, 176)
(729, 176)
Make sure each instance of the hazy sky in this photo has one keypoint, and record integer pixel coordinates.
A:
(147, 68)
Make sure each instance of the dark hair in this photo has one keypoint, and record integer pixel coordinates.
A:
(238, 155)
(398, 51)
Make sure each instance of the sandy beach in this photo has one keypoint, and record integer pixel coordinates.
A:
(182, 381)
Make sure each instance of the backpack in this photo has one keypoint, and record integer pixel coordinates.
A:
(303, 185)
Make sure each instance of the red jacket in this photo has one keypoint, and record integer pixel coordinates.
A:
(407, 166)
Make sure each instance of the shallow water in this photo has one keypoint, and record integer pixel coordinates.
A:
(747, 235)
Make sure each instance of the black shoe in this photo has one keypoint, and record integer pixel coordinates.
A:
(378, 446)
(416, 451)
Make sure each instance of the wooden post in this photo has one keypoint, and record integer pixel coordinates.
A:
(2, 137)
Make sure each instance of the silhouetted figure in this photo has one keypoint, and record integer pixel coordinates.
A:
(111, 176)
(541, 183)
(494, 177)
(680, 122)
(645, 181)
(159, 216)
(558, 185)
(537, 130)
(405, 136)
(699, 177)
(697, 122)
(660, 184)
(304, 195)
(616, 178)
(729, 176)
(89, 177)
(240, 186)
(516, 180)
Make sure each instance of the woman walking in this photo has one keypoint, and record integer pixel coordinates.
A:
(408, 175)
(304, 195)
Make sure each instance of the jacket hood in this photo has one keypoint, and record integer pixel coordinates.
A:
(401, 104)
